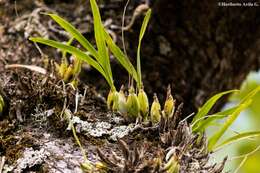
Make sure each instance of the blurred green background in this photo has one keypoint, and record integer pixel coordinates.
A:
(248, 120)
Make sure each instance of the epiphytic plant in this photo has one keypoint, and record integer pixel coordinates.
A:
(133, 105)
(202, 120)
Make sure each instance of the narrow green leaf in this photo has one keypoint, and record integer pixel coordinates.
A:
(201, 124)
(75, 34)
(76, 52)
(251, 94)
(144, 24)
(214, 139)
(142, 31)
(203, 111)
(120, 56)
(207, 122)
(237, 137)
(100, 38)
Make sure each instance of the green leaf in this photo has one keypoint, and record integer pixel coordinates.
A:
(201, 124)
(214, 139)
(75, 34)
(207, 122)
(203, 111)
(76, 52)
(237, 137)
(251, 94)
(100, 38)
(120, 56)
(142, 31)
(144, 24)
(100, 56)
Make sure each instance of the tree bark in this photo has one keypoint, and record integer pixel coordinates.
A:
(200, 48)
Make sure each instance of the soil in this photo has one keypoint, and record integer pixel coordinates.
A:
(35, 135)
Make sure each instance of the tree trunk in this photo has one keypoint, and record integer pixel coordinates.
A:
(200, 48)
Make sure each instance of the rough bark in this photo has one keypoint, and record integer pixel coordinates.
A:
(200, 48)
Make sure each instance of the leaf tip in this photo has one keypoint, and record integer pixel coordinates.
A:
(45, 13)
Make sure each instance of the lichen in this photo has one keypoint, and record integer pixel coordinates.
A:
(30, 159)
(53, 155)
(101, 129)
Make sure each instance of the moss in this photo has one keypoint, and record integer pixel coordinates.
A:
(12, 146)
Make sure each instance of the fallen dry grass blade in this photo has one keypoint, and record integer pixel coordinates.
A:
(30, 67)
